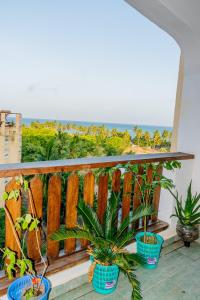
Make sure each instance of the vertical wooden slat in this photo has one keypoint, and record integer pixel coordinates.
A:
(102, 196)
(149, 178)
(71, 210)
(126, 199)
(156, 195)
(35, 208)
(137, 196)
(88, 191)
(88, 195)
(116, 178)
(53, 214)
(14, 209)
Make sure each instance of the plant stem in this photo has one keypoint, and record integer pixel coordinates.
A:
(14, 231)
(24, 237)
(37, 239)
(145, 229)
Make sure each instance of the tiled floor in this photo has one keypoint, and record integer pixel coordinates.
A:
(176, 278)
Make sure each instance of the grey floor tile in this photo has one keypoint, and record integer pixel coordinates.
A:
(176, 278)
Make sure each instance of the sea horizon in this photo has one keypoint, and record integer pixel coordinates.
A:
(119, 126)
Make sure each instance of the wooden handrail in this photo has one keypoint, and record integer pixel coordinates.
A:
(54, 166)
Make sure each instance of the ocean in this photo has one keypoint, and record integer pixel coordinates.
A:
(110, 126)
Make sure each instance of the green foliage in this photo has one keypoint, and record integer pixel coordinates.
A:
(143, 210)
(12, 264)
(158, 179)
(108, 241)
(126, 262)
(157, 140)
(171, 165)
(146, 186)
(15, 193)
(25, 265)
(35, 291)
(115, 145)
(27, 222)
(51, 140)
(188, 211)
(29, 294)
(138, 135)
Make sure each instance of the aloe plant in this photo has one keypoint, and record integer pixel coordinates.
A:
(188, 211)
(108, 240)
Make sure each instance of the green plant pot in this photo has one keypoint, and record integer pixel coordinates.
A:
(105, 279)
(150, 252)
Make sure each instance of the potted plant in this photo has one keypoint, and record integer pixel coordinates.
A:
(30, 285)
(188, 214)
(149, 244)
(107, 249)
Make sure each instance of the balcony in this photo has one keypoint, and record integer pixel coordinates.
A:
(69, 180)
(177, 276)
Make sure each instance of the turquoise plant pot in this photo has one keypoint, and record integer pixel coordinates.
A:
(150, 252)
(105, 279)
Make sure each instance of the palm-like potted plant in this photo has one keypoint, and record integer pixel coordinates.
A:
(188, 214)
(30, 285)
(107, 249)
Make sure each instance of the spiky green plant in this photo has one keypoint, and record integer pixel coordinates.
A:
(108, 240)
(188, 211)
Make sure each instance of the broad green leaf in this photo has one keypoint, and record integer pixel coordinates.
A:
(17, 194)
(90, 218)
(28, 218)
(11, 195)
(65, 233)
(24, 225)
(17, 226)
(5, 196)
(34, 224)
(20, 219)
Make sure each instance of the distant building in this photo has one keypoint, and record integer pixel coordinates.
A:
(10, 140)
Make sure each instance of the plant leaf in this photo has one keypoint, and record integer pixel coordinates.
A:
(5, 196)
(90, 218)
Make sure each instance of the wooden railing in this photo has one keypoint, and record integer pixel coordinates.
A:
(62, 196)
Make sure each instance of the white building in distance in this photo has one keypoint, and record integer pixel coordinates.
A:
(10, 140)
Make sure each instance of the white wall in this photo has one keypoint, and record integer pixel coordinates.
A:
(181, 178)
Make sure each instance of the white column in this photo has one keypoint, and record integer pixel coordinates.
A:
(188, 134)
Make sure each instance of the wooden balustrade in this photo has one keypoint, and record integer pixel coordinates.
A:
(53, 214)
(91, 189)
(35, 199)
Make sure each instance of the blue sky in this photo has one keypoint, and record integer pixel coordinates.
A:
(86, 60)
